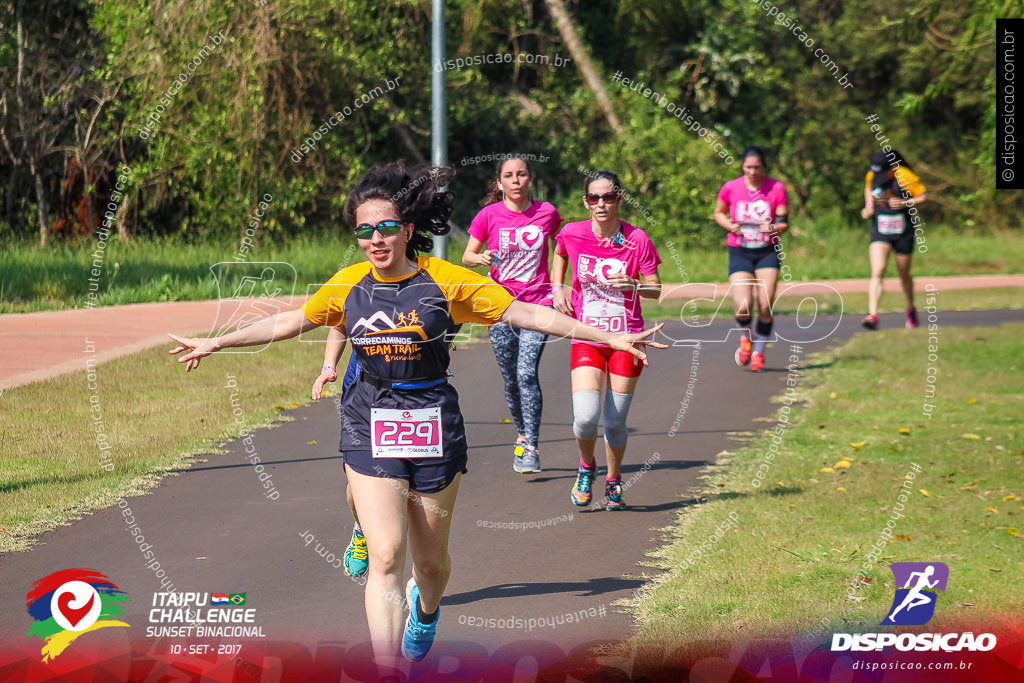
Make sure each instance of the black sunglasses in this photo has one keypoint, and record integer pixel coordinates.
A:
(386, 228)
(608, 197)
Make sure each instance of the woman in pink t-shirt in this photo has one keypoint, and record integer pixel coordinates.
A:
(516, 230)
(753, 209)
(613, 265)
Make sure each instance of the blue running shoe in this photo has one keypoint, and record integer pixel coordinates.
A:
(356, 559)
(527, 459)
(581, 489)
(418, 637)
(613, 496)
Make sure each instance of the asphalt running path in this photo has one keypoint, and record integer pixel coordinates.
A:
(38, 346)
(213, 530)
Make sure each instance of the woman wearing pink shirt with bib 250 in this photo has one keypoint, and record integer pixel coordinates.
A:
(613, 265)
(516, 230)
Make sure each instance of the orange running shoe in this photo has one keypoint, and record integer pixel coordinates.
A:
(756, 362)
(743, 352)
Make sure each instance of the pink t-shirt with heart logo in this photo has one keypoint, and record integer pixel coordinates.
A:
(521, 240)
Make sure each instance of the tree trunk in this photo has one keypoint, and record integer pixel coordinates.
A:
(30, 151)
(567, 28)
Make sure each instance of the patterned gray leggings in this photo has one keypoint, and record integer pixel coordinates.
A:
(518, 354)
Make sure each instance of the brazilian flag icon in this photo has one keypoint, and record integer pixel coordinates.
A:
(237, 598)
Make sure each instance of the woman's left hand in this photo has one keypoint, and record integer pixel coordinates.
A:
(635, 343)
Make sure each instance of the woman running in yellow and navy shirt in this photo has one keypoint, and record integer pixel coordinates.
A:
(889, 188)
(404, 440)
(517, 231)
(753, 209)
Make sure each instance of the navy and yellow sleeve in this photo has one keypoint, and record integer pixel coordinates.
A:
(327, 305)
(472, 298)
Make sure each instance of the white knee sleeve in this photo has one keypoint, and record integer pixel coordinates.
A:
(616, 409)
(586, 411)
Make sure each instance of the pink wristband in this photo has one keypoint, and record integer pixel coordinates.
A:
(328, 367)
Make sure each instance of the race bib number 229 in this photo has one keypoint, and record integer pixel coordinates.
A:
(414, 433)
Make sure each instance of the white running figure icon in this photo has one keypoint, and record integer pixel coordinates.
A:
(915, 597)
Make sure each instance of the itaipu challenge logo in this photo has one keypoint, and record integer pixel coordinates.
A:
(71, 603)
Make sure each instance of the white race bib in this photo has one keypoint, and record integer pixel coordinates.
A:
(397, 433)
(891, 224)
(609, 316)
(752, 237)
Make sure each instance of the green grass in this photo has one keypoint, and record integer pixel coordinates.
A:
(823, 252)
(156, 419)
(143, 270)
(802, 537)
(849, 304)
(140, 271)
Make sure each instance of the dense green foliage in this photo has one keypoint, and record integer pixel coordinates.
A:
(270, 73)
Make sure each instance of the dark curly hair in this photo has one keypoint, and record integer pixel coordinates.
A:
(415, 193)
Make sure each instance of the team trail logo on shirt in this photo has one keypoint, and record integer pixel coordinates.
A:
(916, 582)
(387, 336)
(70, 603)
(381, 323)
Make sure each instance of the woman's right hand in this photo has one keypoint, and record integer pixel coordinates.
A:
(735, 229)
(318, 384)
(867, 212)
(486, 257)
(561, 302)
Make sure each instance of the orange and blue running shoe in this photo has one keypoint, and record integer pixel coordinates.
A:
(613, 496)
(581, 489)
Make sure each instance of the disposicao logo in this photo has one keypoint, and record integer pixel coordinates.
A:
(70, 603)
(914, 605)
(916, 583)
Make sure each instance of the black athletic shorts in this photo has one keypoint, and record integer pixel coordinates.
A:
(743, 260)
(902, 243)
(424, 474)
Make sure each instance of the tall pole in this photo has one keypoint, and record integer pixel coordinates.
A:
(438, 121)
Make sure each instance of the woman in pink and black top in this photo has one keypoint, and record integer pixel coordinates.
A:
(753, 209)
(613, 265)
(516, 230)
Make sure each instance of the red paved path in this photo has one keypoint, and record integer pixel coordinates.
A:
(38, 346)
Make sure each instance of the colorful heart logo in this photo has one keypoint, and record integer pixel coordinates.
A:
(608, 267)
(75, 605)
(73, 615)
(530, 237)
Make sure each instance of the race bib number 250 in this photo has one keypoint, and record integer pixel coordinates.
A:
(414, 433)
